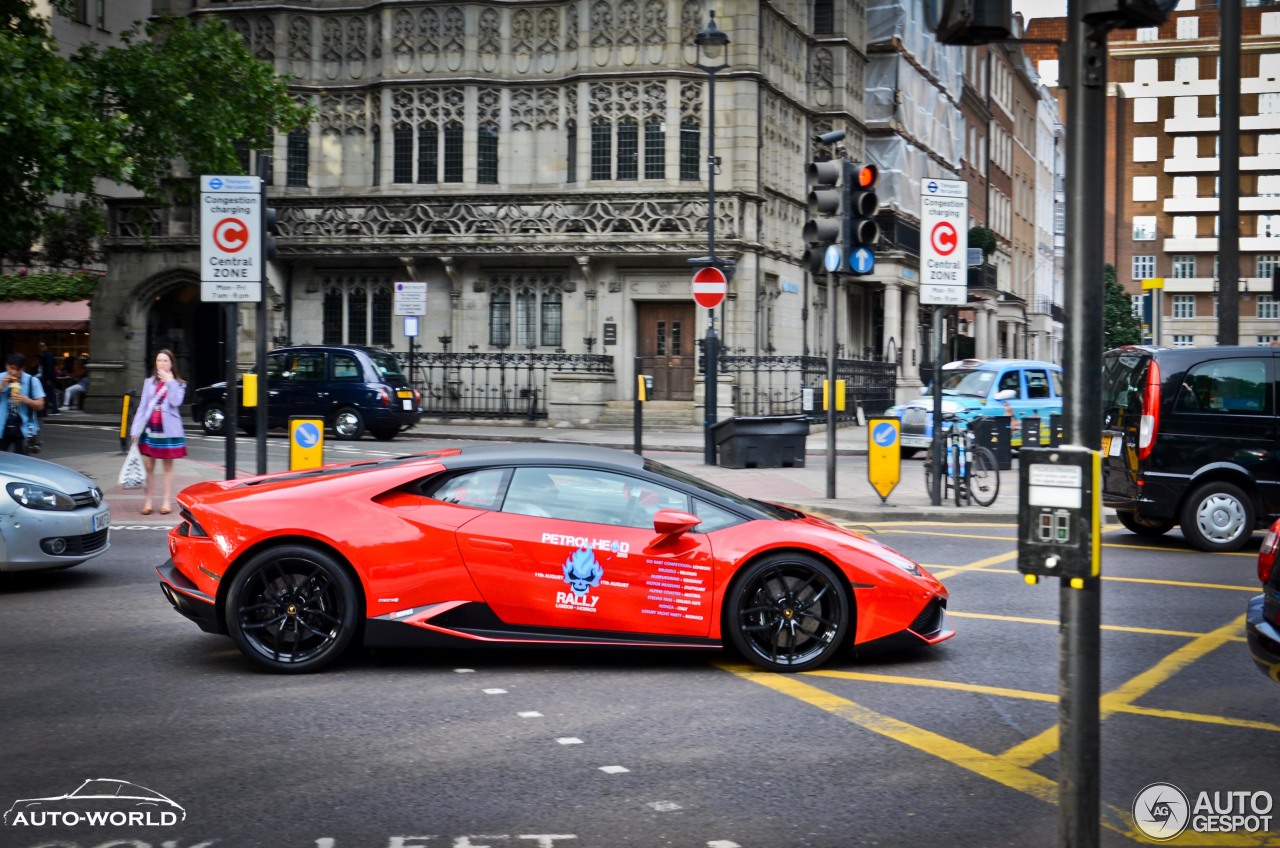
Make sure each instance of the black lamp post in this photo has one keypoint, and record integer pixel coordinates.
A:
(713, 57)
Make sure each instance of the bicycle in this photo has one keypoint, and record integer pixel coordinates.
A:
(970, 471)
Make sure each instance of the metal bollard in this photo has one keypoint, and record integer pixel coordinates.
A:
(124, 420)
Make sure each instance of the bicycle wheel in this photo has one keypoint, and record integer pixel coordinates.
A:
(984, 476)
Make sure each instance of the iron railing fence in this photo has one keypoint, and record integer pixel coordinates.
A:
(493, 384)
(498, 384)
(774, 385)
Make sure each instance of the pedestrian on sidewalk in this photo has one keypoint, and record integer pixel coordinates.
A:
(157, 425)
(21, 398)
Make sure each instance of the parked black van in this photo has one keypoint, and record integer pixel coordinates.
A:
(1191, 437)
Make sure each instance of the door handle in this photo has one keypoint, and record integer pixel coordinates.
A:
(492, 545)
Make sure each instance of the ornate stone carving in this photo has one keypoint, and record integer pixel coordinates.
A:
(300, 46)
(489, 39)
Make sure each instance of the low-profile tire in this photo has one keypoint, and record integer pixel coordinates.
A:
(385, 434)
(788, 612)
(1217, 516)
(292, 609)
(347, 423)
(1147, 527)
(213, 418)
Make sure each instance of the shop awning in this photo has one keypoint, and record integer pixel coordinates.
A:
(68, 316)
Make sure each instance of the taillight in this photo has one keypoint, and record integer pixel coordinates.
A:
(1149, 423)
(384, 395)
(1267, 553)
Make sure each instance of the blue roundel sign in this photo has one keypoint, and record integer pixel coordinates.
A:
(884, 434)
(307, 435)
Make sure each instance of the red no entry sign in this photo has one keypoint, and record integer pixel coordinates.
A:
(709, 287)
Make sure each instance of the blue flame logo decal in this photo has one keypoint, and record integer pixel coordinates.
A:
(581, 571)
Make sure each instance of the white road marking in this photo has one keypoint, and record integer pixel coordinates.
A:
(570, 740)
(464, 671)
(722, 843)
(614, 769)
(665, 806)
(495, 691)
(530, 714)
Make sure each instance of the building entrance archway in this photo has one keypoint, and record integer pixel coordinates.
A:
(194, 330)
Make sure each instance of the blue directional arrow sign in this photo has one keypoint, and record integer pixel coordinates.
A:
(884, 434)
(307, 435)
(831, 259)
(863, 261)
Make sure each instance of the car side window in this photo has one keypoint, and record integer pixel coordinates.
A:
(304, 367)
(477, 489)
(1233, 386)
(1037, 384)
(345, 367)
(1055, 380)
(276, 365)
(1009, 380)
(713, 517)
(583, 494)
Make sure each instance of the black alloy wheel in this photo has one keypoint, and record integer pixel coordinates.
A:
(788, 612)
(292, 609)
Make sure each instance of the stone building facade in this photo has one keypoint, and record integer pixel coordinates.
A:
(543, 168)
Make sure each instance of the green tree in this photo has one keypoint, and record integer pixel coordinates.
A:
(1119, 325)
(173, 89)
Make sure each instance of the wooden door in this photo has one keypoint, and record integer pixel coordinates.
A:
(667, 349)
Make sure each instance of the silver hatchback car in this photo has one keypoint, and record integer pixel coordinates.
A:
(50, 516)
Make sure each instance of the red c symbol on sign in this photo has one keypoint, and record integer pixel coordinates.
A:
(230, 235)
(943, 238)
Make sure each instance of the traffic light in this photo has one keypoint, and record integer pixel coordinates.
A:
(859, 231)
(270, 229)
(823, 227)
(971, 21)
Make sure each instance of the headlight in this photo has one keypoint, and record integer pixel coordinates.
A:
(901, 561)
(39, 497)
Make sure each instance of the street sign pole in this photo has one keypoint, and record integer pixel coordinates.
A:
(710, 284)
(1079, 647)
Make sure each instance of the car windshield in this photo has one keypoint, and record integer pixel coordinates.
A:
(758, 507)
(388, 367)
(966, 382)
(1124, 377)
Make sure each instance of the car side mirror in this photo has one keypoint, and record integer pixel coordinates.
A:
(673, 523)
(1006, 394)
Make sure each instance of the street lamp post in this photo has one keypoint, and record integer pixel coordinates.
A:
(713, 57)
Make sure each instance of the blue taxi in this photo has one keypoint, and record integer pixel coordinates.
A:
(974, 388)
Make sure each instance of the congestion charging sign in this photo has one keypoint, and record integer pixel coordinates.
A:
(231, 239)
(944, 242)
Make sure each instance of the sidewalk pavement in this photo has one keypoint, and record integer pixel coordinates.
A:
(803, 488)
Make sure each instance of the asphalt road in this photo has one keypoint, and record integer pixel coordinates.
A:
(953, 745)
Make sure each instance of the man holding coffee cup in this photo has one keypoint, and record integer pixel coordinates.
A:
(21, 397)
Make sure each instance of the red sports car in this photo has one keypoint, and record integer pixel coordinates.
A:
(545, 545)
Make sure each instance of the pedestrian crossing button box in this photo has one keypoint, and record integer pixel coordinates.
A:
(1059, 519)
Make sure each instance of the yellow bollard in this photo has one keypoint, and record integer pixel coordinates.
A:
(124, 422)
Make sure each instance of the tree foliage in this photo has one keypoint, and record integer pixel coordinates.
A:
(1119, 325)
(172, 90)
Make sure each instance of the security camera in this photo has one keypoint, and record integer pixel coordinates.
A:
(830, 137)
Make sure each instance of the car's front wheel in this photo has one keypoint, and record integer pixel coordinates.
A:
(213, 418)
(1148, 527)
(348, 423)
(788, 612)
(1218, 516)
(292, 609)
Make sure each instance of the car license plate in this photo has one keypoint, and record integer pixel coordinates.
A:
(404, 394)
(408, 405)
(101, 521)
(1106, 445)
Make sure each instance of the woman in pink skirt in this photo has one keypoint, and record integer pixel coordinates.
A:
(157, 425)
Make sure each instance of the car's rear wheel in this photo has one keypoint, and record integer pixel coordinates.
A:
(348, 423)
(788, 612)
(907, 453)
(292, 609)
(1148, 527)
(213, 418)
(385, 434)
(1218, 516)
